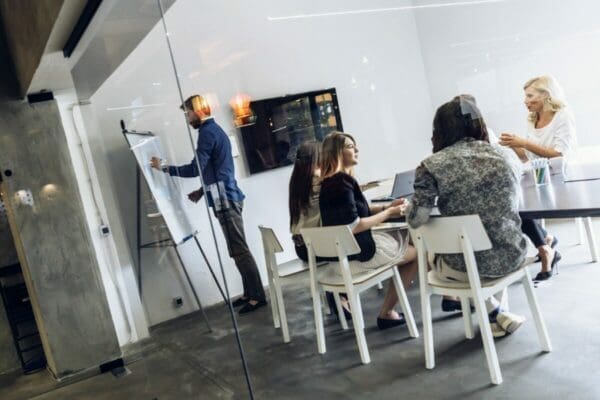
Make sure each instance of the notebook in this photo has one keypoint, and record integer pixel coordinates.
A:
(403, 187)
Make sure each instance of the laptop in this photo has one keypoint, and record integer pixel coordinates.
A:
(403, 187)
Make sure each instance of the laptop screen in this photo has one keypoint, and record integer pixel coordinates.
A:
(403, 184)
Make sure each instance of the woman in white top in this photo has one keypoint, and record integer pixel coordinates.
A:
(550, 133)
(551, 126)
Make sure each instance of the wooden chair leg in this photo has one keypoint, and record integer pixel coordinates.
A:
(488, 341)
(427, 328)
(359, 331)
(281, 309)
(324, 303)
(318, 311)
(405, 305)
(273, 303)
(359, 312)
(540, 325)
(340, 310)
(467, 320)
(504, 299)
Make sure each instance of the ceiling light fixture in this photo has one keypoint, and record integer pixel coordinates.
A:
(134, 107)
(379, 10)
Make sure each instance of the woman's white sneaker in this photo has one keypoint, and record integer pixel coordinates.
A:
(509, 322)
(497, 330)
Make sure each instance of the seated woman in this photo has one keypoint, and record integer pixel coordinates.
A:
(462, 163)
(304, 188)
(551, 133)
(305, 185)
(342, 203)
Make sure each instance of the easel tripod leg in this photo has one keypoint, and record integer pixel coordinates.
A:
(193, 289)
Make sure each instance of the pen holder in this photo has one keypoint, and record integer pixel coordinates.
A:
(541, 176)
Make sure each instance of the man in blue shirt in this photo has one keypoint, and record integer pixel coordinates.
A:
(213, 155)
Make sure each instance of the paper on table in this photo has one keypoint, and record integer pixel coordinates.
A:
(582, 172)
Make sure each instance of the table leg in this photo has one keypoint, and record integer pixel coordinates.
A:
(589, 228)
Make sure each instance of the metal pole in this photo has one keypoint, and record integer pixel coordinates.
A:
(139, 228)
(211, 270)
(231, 312)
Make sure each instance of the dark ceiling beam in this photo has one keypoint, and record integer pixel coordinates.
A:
(9, 86)
(82, 23)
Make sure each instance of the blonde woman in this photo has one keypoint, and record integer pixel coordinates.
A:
(550, 133)
(551, 127)
(342, 203)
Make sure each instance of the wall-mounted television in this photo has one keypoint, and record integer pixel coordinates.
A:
(281, 124)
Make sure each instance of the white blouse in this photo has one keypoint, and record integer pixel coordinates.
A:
(559, 134)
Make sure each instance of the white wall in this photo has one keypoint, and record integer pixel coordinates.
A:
(491, 50)
(127, 314)
(374, 61)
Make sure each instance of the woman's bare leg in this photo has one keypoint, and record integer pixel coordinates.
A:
(408, 271)
(546, 254)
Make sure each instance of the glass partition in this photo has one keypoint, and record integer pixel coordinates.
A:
(136, 122)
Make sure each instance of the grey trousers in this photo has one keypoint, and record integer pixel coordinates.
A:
(233, 228)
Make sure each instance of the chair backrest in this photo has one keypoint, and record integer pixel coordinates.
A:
(270, 240)
(451, 235)
(323, 240)
(441, 235)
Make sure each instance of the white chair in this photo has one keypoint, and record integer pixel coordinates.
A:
(466, 234)
(275, 272)
(338, 241)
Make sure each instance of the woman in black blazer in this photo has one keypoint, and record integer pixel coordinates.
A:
(342, 203)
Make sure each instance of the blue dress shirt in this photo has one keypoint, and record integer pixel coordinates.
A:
(213, 153)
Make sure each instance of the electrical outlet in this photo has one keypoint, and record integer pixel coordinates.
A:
(177, 302)
(104, 230)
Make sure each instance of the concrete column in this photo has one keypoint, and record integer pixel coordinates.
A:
(9, 361)
(52, 238)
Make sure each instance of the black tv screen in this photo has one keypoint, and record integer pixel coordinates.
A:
(281, 124)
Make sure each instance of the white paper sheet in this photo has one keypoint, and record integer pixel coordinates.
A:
(164, 188)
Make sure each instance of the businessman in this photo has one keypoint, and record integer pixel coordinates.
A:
(213, 153)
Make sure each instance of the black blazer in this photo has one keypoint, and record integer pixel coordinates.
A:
(341, 202)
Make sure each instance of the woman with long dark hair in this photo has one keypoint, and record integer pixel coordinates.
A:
(305, 184)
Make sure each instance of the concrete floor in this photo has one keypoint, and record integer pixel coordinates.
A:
(182, 361)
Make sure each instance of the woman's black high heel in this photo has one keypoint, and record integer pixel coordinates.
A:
(383, 323)
(544, 276)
